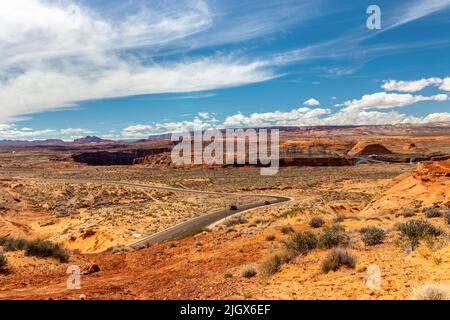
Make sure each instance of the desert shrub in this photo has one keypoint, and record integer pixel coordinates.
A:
(431, 291)
(290, 213)
(372, 235)
(408, 213)
(14, 244)
(301, 242)
(432, 213)
(44, 248)
(3, 262)
(339, 218)
(286, 229)
(248, 272)
(416, 230)
(337, 258)
(271, 265)
(335, 236)
(235, 221)
(228, 275)
(270, 237)
(447, 217)
(316, 222)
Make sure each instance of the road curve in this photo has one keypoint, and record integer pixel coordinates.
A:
(197, 224)
(191, 226)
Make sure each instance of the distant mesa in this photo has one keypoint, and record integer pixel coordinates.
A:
(26, 143)
(367, 149)
(89, 139)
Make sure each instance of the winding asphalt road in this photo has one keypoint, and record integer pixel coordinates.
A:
(197, 224)
(191, 226)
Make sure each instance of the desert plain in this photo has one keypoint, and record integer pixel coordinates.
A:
(377, 198)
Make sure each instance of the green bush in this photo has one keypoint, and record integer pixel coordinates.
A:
(3, 262)
(416, 230)
(301, 242)
(270, 237)
(337, 258)
(44, 248)
(316, 222)
(10, 244)
(372, 235)
(335, 236)
(432, 213)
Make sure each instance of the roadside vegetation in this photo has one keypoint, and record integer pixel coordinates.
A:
(36, 248)
(301, 243)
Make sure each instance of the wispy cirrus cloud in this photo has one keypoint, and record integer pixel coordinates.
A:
(354, 43)
(51, 58)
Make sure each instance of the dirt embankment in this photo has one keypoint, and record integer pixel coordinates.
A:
(427, 186)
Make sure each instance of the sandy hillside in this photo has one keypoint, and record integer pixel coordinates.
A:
(427, 186)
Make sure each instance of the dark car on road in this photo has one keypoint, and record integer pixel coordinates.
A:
(233, 207)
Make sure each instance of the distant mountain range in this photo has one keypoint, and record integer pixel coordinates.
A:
(53, 142)
(423, 129)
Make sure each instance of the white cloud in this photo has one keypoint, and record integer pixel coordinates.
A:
(311, 102)
(295, 117)
(437, 117)
(383, 100)
(47, 62)
(410, 86)
(47, 89)
(13, 132)
(299, 116)
(445, 84)
(72, 131)
(415, 10)
(203, 120)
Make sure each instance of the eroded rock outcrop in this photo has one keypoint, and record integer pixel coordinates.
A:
(366, 149)
(428, 185)
(115, 158)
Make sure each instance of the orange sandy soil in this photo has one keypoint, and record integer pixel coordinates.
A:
(195, 269)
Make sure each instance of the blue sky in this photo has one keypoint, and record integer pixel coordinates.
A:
(129, 69)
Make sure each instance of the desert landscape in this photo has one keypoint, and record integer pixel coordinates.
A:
(222, 158)
(364, 213)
